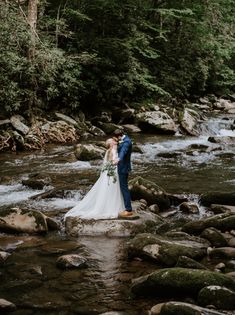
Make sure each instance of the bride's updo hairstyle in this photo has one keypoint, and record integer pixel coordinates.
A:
(108, 143)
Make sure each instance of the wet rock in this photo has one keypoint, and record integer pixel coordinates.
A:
(223, 222)
(218, 198)
(189, 121)
(6, 306)
(146, 221)
(152, 193)
(220, 266)
(224, 104)
(154, 208)
(3, 256)
(180, 308)
(113, 313)
(71, 261)
(216, 208)
(189, 207)
(131, 128)
(20, 220)
(59, 247)
(156, 121)
(222, 140)
(223, 252)
(218, 296)
(231, 242)
(175, 281)
(165, 251)
(86, 152)
(52, 193)
(168, 155)
(186, 262)
(37, 181)
(19, 125)
(215, 237)
(52, 224)
(137, 149)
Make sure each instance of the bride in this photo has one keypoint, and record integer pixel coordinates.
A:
(104, 200)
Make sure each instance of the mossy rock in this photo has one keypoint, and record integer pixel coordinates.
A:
(165, 251)
(22, 220)
(179, 281)
(220, 297)
(215, 237)
(223, 198)
(180, 308)
(186, 262)
(223, 222)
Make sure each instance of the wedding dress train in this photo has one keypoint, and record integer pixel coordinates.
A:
(104, 200)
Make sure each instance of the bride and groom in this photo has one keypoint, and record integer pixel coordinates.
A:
(109, 197)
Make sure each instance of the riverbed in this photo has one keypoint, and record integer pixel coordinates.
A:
(182, 165)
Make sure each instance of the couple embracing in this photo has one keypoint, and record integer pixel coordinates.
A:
(109, 198)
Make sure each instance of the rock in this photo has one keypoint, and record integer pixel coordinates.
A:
(214, 236)
(231, 264)
(67, 119)
(180, 308)
(71, 261)
(147, 221)
(19, 139)
(227, 198)
(231, 242)
(222, 139)
(131, 128)
(86, 152)
(137, 149)
(169, 155)
(189, 207)
(113, 313)
(172, 281)
(6, 306)
(220, 266)
(218, 296)
(165, 251)
(223, 222)
(156, 121)
(96, 131)
(154, 208)
(19, 220)
(223, 252)
(3, 257)
(186, 262)
(18, 125)
(224, 104)
(216, 208)
(152, 193)
(108, 127)
(52, 193)
(156, 309)
(189, 121)
(37, 181)
(53, 225)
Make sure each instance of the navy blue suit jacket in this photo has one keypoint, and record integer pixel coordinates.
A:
(124, 155)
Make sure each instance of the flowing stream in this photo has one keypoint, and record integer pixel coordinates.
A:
(187, 166)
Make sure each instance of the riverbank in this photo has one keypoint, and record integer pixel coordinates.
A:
(17, 133)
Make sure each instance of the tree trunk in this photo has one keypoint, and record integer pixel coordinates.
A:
(32, 20)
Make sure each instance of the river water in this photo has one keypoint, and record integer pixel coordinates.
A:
(186, 166)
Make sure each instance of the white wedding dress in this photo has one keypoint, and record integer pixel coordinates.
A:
(104, 200)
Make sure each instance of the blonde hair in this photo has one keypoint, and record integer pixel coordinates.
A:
(108, 142)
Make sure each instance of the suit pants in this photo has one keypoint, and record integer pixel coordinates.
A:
(123, 178)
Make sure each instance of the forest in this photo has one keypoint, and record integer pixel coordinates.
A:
(87, 55)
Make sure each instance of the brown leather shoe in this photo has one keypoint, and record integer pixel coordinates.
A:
(125, 213)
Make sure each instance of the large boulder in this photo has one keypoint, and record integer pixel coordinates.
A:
(181, 308)
(145, 221)
(141, 188)
(37, 181)
(175, 281)
(222, 222)
(189, 121)
(6, 306)
(164, 250)
(157, 122)
(67, 119)
(86, 152)
(20, 220)
(223, 252)
(218, 296)
(226, 198)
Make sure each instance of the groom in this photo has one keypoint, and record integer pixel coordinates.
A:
(124, 167)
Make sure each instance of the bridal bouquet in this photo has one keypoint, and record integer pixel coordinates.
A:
(111, 170)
